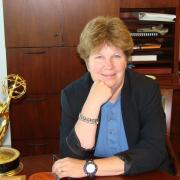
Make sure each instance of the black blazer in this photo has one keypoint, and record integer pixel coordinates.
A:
(143, 118)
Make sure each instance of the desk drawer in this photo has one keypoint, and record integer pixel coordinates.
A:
(36, 146)
(35, 117)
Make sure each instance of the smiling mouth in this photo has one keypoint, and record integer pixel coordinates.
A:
(108, 75)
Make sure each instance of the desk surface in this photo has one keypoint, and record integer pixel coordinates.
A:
(43, 163)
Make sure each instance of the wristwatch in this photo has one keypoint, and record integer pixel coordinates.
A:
(90, 168)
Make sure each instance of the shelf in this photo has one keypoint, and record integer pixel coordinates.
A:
(160, 10)
(153, 70)
(154, 50)
(165, 59)
(143, 22)
(163, 62)
(167, 36)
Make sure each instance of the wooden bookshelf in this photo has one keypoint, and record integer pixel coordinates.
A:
(167, 58)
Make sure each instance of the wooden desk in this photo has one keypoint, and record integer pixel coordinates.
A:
(34, 164)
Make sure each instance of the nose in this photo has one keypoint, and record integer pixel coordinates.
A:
(108, 63)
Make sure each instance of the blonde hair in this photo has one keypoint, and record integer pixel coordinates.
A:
(104, 30)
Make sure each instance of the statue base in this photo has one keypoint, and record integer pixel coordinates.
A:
(9, 161)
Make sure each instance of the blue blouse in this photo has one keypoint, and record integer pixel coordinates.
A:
(111, 138)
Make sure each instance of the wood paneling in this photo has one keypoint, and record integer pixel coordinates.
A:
(35, 123)
(67, 67)
(36, 146)
(176, 113)
(35, 116)
(33, 65)
(148, 3)
(46, 70)
(32, 23)
(77, 13)
(175, 139)
(45, 23)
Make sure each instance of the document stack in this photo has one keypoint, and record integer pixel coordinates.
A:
(143, 58)
(159, 29)
(146, 16)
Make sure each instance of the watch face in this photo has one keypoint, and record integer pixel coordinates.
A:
(90, 168)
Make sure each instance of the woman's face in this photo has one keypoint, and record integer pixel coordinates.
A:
(108, 65)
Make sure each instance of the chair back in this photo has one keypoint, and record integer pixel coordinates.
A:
(167, 95)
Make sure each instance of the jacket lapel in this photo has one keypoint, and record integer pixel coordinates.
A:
(129, 112)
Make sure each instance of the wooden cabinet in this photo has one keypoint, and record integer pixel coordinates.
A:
(46, 23)
(46, 70)
(77, 13)
(35, 123)
(34, 65)
(156, 50)
(66, 67)
(36, 116)
(32, 23)
(149, 3)
(37, 146)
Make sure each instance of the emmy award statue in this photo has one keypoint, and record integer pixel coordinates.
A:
(13, 87)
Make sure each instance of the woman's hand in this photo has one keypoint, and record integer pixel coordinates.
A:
(99, 93)
(69, 167)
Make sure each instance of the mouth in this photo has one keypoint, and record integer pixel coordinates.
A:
(108, 76)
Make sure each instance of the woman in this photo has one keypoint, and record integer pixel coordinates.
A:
(112, 118)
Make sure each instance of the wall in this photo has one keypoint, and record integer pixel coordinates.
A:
(3, 69)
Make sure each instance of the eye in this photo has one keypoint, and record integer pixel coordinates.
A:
(98, 57)
(116, 56)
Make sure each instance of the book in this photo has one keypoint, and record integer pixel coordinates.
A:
(144, 34)
(143, 58)
(150, 46)
(147, 16)
(159, 29)
(147, 46)
(153, 70)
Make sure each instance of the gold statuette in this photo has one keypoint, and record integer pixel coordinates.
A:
(13, 87)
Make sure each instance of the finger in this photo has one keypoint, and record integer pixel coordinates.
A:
(53, 167)
(56, 168)
(63, 174)
(58, 163)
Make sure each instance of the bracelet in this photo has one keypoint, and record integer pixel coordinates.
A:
(88, 120)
